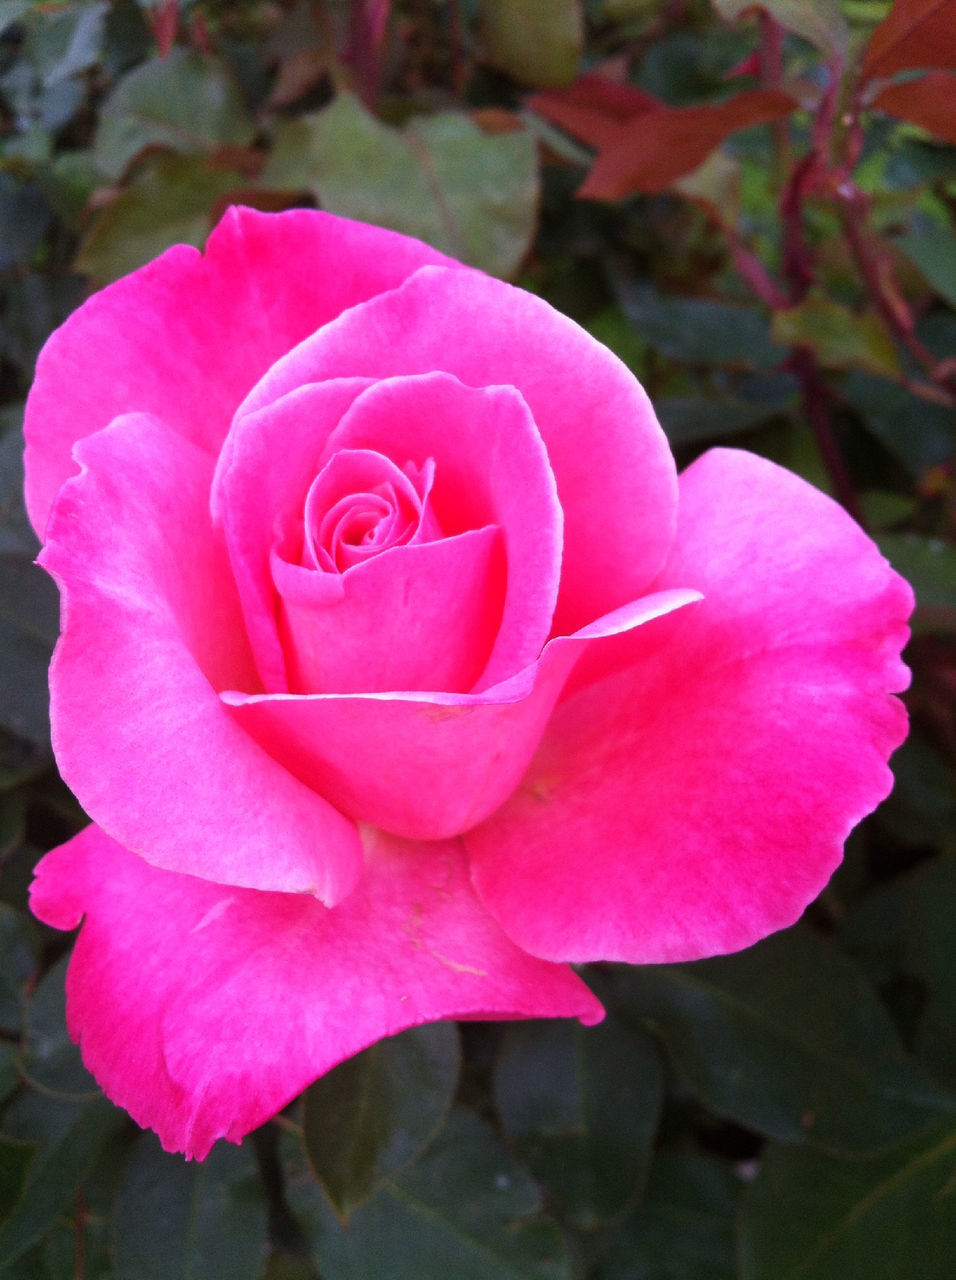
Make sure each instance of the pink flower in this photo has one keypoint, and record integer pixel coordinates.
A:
(399, 669)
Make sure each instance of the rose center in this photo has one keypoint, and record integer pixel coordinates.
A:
(360, 504)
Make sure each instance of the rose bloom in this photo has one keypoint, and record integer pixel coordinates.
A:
(399, 670)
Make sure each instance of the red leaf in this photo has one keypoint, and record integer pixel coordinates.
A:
(593, 108)
(915, 33)
(662, 145)
(929, 102)
(165, 26)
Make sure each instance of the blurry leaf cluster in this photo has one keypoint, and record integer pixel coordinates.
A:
(786, 1112)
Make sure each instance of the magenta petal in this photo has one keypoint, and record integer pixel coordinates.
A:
(611, 462)
(250, 494)
(491, 468)
(186, 336)
(428, 765)
(151, 631)
(698, 799)
(204, 1009)
(415, 617)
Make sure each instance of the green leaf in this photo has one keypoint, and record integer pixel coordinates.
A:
(9, 1069)
(838, 337)
(933, 251)
(466, 1210)
(918, 433)
(50, 1058)
(810, 1217)
(15, 1159)
(58, 1167)
(819, 21)
(695, 419)
(18, 958)
(581, 1106)
(538, 42)
(470, 194)
(186, 102)
(929, 565)
(12, 11)
(684, 1227)
(64, 41)
(373, 1114)
(789, 1039)
(29, 608)
(908, 926)
(179, 1221)
(698, 330)
(170, 201)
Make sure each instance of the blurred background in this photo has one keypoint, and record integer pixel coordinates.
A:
(753, 206)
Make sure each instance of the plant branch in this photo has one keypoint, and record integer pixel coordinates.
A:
(815, 397)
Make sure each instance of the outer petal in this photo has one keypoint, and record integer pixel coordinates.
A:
(204, 1009)
(151, 631)
(698, 798)
(186, 336)
(428, 765)
(613, 468)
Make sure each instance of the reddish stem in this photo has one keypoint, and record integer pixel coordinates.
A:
(815, 402)
(877, 272)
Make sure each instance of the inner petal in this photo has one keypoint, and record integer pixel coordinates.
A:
(360, 504)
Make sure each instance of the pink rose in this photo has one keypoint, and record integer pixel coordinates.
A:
(399, 669)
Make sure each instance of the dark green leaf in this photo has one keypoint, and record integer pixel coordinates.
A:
(537, 42)
(697, 330)
(65, 41)
(470, 194)
(60, 1164)
(9, 1069)
(464, 1210)
(933, 250)
(581, 1106)
(24, 218)
(908, 925)
(372, 1115)
(789, 1039)
(920, 434)
(812, 1217)
(18, 957)
(186, 102)
(179, 1221)
(170, 201)
(929, 564)
(696, 419)
(29, 609)
(683, 1229)
(15, 1158)
(50, 1058)
(922, 805)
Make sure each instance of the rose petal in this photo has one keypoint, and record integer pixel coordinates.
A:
(186, 336)
(491, 468)
(415, 617)
(428, 765)
(613, 468)
(151, 630)
(698, 798)
(250, 493)
(204, 1009)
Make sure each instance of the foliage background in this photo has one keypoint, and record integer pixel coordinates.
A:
(788, 286)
